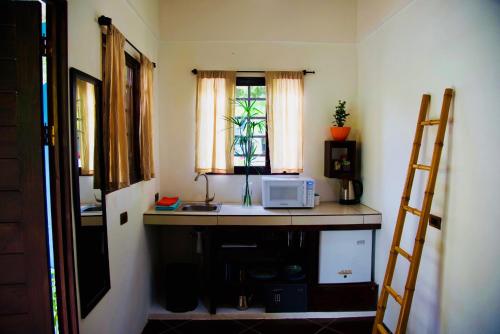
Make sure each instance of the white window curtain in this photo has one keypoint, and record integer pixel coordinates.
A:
(215, 95)
(285, 94)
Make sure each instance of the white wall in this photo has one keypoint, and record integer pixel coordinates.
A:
(426, 47)
(87, 191)
(258, 20)
(335, 78)
(372, 13)
(125, 307)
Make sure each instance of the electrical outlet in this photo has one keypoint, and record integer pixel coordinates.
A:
(123, 218)
(435, 221)
(157, 197)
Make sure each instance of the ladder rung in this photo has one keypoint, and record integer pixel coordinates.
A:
(381, 329)
(403, 253)
(431, 122)
(412, 210)
(422, 167)
(394, 294)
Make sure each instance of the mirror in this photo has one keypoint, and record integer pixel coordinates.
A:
(88, 195)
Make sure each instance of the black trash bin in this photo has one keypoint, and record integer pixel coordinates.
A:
(181, 287)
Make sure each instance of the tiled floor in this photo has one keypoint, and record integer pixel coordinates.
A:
(302, 326)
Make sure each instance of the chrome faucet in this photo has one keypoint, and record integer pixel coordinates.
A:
(207, 199)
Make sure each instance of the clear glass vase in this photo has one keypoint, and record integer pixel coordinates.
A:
(246, 195)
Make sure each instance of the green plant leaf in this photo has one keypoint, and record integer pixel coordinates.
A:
(340, 114)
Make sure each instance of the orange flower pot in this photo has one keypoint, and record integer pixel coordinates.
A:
(340, 133)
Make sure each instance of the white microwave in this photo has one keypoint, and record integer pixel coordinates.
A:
(287, 192)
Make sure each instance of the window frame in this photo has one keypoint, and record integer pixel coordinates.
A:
(135, 174)
(255, 170)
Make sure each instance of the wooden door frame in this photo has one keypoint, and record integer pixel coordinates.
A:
(62, 224)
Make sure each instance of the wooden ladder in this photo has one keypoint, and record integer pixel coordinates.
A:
(423, 213)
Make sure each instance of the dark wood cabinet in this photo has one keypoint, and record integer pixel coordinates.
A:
(340, 159)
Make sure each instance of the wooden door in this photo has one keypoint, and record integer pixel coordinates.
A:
(25, 301)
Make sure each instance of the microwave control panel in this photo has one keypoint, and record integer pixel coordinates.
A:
(310, 193)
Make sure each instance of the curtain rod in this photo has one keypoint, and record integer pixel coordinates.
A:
(195, 71)
(106, 21)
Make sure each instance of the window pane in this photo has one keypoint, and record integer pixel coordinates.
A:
(258, 92)
(257, 131)
(238, 162)
(263, 132)
(260, 147)
(260, 144)
(237, 130)
(252, 93)
(237, 150)
(238, 110)
(260, 106)
(241, 91)
(258, 162)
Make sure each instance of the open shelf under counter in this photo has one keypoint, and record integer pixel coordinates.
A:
(158, 312)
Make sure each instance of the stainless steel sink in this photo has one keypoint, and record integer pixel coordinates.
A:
(199, 207)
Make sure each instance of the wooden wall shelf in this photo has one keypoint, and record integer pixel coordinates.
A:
(340, 159)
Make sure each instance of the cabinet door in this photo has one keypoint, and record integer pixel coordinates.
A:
(345, 256)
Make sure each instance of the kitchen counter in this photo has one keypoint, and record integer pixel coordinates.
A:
(231, 214)
(278, 234)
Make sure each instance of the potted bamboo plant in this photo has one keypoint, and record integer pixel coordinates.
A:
(245, 127)
(339, 131)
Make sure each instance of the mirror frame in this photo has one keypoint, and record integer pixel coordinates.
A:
(75, 74)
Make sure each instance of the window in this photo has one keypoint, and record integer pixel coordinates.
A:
(132, 114)
(253, 90)
(85, 113)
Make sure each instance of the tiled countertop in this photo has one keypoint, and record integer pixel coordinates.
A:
(327, 213)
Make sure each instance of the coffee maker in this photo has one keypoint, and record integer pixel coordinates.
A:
(350, 191)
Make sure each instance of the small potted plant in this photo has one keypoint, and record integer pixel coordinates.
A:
(340, 132)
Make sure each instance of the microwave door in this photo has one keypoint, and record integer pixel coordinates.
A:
(286, 194)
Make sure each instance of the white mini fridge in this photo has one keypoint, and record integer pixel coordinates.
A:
(345, 256)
